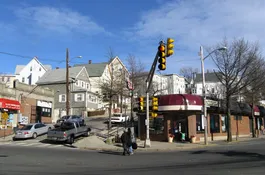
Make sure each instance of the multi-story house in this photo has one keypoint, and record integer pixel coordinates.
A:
(7, 79)
(213, 86)
(32, 72)
(82, 99)
(176, 84)
(104, 72)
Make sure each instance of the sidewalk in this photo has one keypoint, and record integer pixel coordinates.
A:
(94, 143)
(7, 138)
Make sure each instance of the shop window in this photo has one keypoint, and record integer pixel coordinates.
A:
(156, 125)
(224, 123)
(215, 123)
(46, 112)
(199, 123)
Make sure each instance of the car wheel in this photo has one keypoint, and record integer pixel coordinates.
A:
(49, 128)
(71, 140)
(34, 136)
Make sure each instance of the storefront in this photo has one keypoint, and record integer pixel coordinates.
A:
(9, 107)
(44, 111)
(181, 114)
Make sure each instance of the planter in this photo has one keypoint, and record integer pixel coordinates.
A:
(193, 139)
(170, 139)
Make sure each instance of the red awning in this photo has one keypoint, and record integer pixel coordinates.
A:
(9, 104)
(175, 102)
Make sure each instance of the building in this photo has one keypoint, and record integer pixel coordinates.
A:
(82, 99)
(182, 113)
(176, 84)
(25, 104)
(7, 79)
(32, 72)
(100, 74)
(213, 86)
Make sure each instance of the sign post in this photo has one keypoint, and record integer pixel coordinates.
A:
(4, 118)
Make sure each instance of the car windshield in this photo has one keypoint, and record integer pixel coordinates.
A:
(68, 125)
(27, 127)
(116, 115)
(66, 117)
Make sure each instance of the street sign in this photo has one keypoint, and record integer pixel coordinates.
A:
(4, 116)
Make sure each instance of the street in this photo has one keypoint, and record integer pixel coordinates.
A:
(239, 158)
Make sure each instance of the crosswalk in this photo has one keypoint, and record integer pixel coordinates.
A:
(35, 144)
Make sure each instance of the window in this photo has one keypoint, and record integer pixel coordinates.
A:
(156, 125)
(77, 83)
(199, 123)
(40, 69)
(214, 123)
(87, 86)
(3, 79)
(236, 117)
(223, 123)
(82, 84)
(8, 79)
(62, 98)
(79, 97)
(30, 68)
(23, 80)
(46, 112)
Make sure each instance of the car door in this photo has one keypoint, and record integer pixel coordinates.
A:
(43, 128)
(37, 129)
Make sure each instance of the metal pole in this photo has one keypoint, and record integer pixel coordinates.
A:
(147, 140)
(67, 82)
(204, 99)
(132, 120)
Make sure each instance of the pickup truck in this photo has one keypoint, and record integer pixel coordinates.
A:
(68, 131)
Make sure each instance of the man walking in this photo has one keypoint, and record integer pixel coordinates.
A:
(126, 143)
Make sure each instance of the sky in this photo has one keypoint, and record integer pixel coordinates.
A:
(89, 28)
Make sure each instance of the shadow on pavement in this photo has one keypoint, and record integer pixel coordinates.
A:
(3, 156)
(233, 154)
(57, 143)
(111, 152)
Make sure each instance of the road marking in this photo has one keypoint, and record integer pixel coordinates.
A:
(31, 144)
(19, 143)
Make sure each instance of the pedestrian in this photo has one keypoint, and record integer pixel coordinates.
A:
(130, 140)
(262, 129)
(125, 143)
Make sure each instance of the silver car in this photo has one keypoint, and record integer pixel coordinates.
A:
(32, 130)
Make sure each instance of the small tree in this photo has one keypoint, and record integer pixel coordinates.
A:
(234, 70)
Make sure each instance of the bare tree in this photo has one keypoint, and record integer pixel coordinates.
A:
(234, 70)
(188, 72)
(135, 68)
(157, 89)
(253, 93)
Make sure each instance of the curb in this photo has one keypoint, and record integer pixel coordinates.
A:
(149, 149)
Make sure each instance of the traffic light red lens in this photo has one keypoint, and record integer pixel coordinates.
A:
(162, 48)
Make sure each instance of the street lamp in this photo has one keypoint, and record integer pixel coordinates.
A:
(67, 81)
(203, 91)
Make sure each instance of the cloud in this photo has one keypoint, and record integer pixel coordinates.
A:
(201, 22)
(58, 20)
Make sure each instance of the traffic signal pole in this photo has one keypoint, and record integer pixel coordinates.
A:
(149, 79)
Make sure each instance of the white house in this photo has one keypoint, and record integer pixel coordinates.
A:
(100, 72)
(32, 72)
(176, 84)
(213, 86)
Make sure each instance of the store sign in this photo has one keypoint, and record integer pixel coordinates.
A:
(211, 103)
(44, 104)
(24, 120)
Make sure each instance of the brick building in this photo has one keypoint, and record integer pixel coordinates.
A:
(183, 113)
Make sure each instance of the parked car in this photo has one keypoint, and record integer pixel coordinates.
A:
(70, 118)
(119, 118)
(68, 131)
(32, 130)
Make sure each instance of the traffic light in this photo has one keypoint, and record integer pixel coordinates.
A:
(170, 47)
(162, 57)
(154, 106)
(141, 103)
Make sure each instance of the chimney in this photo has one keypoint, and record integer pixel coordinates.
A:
(89, 61)
(57, 67)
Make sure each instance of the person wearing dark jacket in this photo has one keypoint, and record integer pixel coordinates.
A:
(126, 142)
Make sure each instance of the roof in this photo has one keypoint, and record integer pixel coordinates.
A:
(94, 69)
(20, 67)
(209, 77)
(59, 75)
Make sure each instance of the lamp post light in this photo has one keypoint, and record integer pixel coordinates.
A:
(203, 90)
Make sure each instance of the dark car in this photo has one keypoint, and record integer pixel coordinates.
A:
(70, 118)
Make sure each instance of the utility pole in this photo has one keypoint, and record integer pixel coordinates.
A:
(67, 82)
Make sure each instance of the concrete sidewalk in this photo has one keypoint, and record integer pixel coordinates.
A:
(94, 143)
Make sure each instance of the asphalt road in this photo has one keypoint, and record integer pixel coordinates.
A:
(245, 158)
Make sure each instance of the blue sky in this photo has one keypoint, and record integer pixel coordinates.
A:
(90, 27)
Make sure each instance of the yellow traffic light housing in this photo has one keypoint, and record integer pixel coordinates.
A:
(141, 104)
(154, 104)
(162, 57)
(170, 47)
(154, 115)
